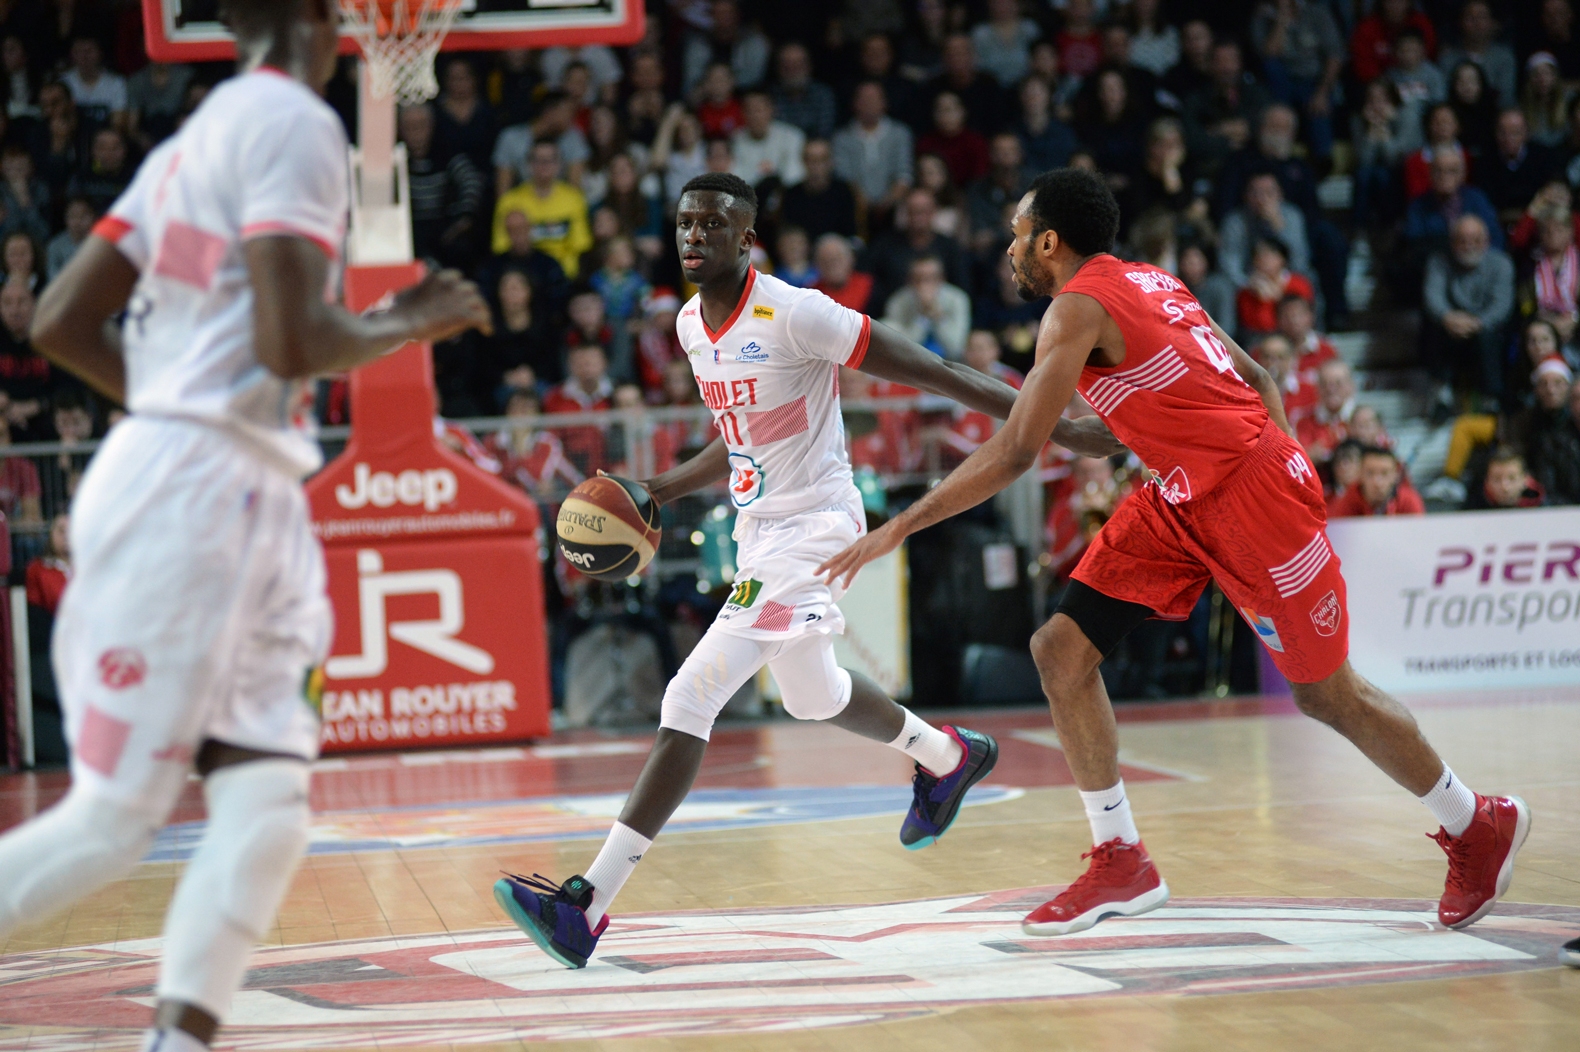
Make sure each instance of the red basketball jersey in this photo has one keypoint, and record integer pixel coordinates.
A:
(1176, 399)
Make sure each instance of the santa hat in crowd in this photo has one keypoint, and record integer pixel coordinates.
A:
(1552, 364)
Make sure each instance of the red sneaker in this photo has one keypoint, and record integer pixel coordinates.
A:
(1121, 881)
(1481, 859)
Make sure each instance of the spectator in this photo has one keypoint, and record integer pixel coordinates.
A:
(606, 140)
(1154, 41)
(685, 437)
(623, 291)
(645, 105)
(1440, 129)
(888, 441)
(98, 93)
(47, 574)
(1382, 134)
(524, 347)
(658, 349)
(1079, 44)
(26, 380)
(873, 153)
(963, 149)
(603, 69)
(1013, 320)
(1372, 43)
(532, 458)
(1556, 278)
(1212, 289)
(1268, 282)
(1545, 99)
(154, 95)
(108, 173)
(715, 103)
(1479, 44)
(1381, 490)
(556, 210)
(20, 490)
(793, 258)
(24, 197)
(61, 472)
(1003, 42)
(821, 203)
(1345, 468)
(969, 428)
(554, 123)
(1193, 71)
(1112, 123)
(679, 154)
(1555, 34)
(837, 276)
(889, 258)
(1420, 83)
(1468, 298)
(766, 148)
(1046, 140)
(1507, 484)
(875, 62)
(978, 92)
(1518, 168)
(1219, 116)
(20, 255)
(1476, 108)
(1297, 324)
(1532, 428)
(1327, 424)
(1426, 222)
(62, 150)
(1302, 56)
(931, 311)
(743, 50)
(80, 218)
(1366, 427)
(588, 322)
(21, 79)
(1003, 185)
(1166, 181)
(1555, 453)
(639, 215)
(1265, 215)
(1275, 354)
(798, 99)
(550, 286)
(446, 197)
(587, 389)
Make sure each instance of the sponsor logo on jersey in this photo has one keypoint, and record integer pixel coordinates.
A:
(745, 593)
(746, 479)
(763, 312)
(752, 352)
(1175, 488)
(1326, 614)
(1264, 629)
(1177, 310)
(121, 668)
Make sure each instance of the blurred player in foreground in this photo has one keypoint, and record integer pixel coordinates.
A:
(185, 639)
(1233, 499)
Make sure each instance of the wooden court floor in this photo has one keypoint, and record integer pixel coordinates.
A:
(779, 911)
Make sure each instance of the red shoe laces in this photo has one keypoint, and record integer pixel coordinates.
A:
(1458, 852)
(1103, 856)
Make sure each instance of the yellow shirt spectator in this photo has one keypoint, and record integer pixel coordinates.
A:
(558, 218)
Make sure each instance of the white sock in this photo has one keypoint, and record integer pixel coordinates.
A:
(937, 752)
(1108, 810)
(1451, 802)
(172, 1040)
(614, 864)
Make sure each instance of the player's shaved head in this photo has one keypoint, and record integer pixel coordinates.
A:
(743, 199)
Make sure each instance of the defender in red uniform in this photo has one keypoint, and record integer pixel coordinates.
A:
(1233, 499)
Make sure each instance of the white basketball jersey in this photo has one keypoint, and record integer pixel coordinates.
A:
(771, 377)
(262, 155)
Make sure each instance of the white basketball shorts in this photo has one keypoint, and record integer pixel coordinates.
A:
(196, 608)
(777, 593)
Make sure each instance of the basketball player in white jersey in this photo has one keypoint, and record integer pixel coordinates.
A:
(197, 608)
(766, 356)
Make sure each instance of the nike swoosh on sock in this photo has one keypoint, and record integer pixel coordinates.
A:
(1110, 807)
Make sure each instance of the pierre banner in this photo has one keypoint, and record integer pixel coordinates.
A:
(1465, 600)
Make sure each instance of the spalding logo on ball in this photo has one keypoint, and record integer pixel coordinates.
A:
(608, 528)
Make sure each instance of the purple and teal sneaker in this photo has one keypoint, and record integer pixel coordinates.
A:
(554, 915)
(936, 800)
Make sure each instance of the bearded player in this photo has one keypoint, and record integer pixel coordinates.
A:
(197, 606)
(766, 356)
(1234, 499)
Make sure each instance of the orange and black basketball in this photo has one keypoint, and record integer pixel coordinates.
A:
(608, 528)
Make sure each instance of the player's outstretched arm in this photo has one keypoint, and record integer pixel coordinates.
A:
(892, 356)
(1259, 378)
(710, 466)
(297, 335)
(1087, 436)
(74, 324)
(1070, 329)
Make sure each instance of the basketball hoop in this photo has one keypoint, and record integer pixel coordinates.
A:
(400, 40)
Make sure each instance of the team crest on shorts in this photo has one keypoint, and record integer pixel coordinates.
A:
(746, 479)
(1176, 487)
(121, 668)
(745, 593)
(1325, 615)
(1265, 630)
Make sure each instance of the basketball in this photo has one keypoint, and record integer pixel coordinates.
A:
(608, 528)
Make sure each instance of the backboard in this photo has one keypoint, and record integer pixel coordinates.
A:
(190, 30)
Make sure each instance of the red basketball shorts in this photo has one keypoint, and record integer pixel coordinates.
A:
(1260, 533)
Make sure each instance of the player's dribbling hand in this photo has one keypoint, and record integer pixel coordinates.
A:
(875, 545)
(445, 304)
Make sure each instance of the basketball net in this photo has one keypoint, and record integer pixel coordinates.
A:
(400, 40)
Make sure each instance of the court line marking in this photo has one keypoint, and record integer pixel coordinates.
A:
(1049, 739)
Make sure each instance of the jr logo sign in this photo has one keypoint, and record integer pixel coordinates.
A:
(435, 636)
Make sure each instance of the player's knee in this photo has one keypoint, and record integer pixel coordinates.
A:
(689, 706)
(818, 697)
(1062, 652)
(258, 831)
(1320, 701)
(114, 830)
